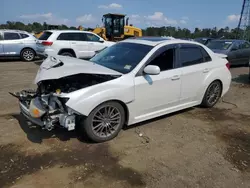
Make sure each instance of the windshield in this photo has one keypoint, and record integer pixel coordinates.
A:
(122, 57)
(219, 45)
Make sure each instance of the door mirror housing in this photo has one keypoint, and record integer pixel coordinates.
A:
(152, 70)
(101, 40)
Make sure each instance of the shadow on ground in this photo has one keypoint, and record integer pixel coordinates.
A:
(242, 79)
(36, 135)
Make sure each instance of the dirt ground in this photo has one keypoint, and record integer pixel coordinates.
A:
(193, 148)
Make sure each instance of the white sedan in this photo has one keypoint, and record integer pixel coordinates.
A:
(129, 82)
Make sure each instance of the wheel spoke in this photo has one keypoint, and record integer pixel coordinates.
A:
(106, 121)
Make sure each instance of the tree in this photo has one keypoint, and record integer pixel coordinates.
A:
(150, 31)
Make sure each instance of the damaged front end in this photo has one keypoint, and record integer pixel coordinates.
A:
(46, 110)
(56, 77)
(47, 107)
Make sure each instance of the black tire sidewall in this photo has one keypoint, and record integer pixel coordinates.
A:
(34, 54)
(86, 123)
(67, 54)
(205, 102)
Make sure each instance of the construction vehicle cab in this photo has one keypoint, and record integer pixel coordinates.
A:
(115, 29)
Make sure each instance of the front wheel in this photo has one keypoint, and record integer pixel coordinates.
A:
(104, 122)
(212, 94)
(28, 54)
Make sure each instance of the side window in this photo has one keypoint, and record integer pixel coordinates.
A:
(69, 36)
(1, 36)
(11, 36)
(206, 56)
(245, 45)
(92, 38)
(72, 36)
(23, 36)
(235, 47)
(165, 60)
(190, 56)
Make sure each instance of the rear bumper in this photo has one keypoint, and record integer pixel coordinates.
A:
(25, 112)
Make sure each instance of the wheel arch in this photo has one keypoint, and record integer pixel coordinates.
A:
(27, 48)
(67, 50)
(125, 107)
(207, 85)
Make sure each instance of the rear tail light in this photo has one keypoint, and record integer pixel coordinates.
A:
(228, 65)
(47, 43)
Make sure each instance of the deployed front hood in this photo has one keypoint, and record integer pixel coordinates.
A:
(60, 66)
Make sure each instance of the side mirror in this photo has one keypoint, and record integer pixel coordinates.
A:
(152, 70)
(101, 40)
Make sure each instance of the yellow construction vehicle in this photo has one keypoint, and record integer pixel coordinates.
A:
(47, 27)
(115, 29)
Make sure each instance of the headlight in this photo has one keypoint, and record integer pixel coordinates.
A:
(126, 30)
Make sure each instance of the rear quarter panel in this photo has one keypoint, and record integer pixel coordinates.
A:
(218, 71)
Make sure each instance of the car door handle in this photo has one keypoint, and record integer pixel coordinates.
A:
(175, 77)
(206, 70)
(73, 42)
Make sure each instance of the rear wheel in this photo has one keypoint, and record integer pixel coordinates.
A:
(28, 54)
(67, 54)
(212, 94)
(104, 122)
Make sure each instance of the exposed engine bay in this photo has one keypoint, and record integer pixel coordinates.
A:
(72, 83)
(47, 108)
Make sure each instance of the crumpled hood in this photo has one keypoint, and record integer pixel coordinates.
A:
(55, 67)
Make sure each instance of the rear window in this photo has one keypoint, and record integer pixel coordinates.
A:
(23, 36)
(219, 45)
(45, 35)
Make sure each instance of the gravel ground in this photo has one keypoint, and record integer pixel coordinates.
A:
(192, 148)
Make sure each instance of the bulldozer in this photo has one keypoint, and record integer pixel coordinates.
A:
(115, 28)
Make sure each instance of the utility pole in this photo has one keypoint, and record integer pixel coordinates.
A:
(244, 22)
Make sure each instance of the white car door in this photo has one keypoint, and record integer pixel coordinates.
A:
(95, 43)
(156, 94)
(194, 62)
(1, 45)
(12, 43)
(77, 42)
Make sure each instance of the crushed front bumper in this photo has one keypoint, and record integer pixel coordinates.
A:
(46, 111)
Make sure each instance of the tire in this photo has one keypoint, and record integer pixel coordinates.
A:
(214, 90)
(89, 123)
(67, 54)
(28, 54)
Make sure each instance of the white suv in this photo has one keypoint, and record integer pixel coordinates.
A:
(74, 43)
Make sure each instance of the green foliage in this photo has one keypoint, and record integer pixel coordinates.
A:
(34, 27)
(150, 31)
(198, 32)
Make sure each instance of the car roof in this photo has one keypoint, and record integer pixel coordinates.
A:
(67, 31)
(153, 41)
(14, 30)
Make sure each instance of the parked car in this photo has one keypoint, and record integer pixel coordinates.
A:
(129, 82)
(238, 51)
(16, 43)
(74, 43)
(203, 40)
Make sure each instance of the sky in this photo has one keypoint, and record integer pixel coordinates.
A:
(141, 13)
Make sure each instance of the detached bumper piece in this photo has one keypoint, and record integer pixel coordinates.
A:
(47, 111)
